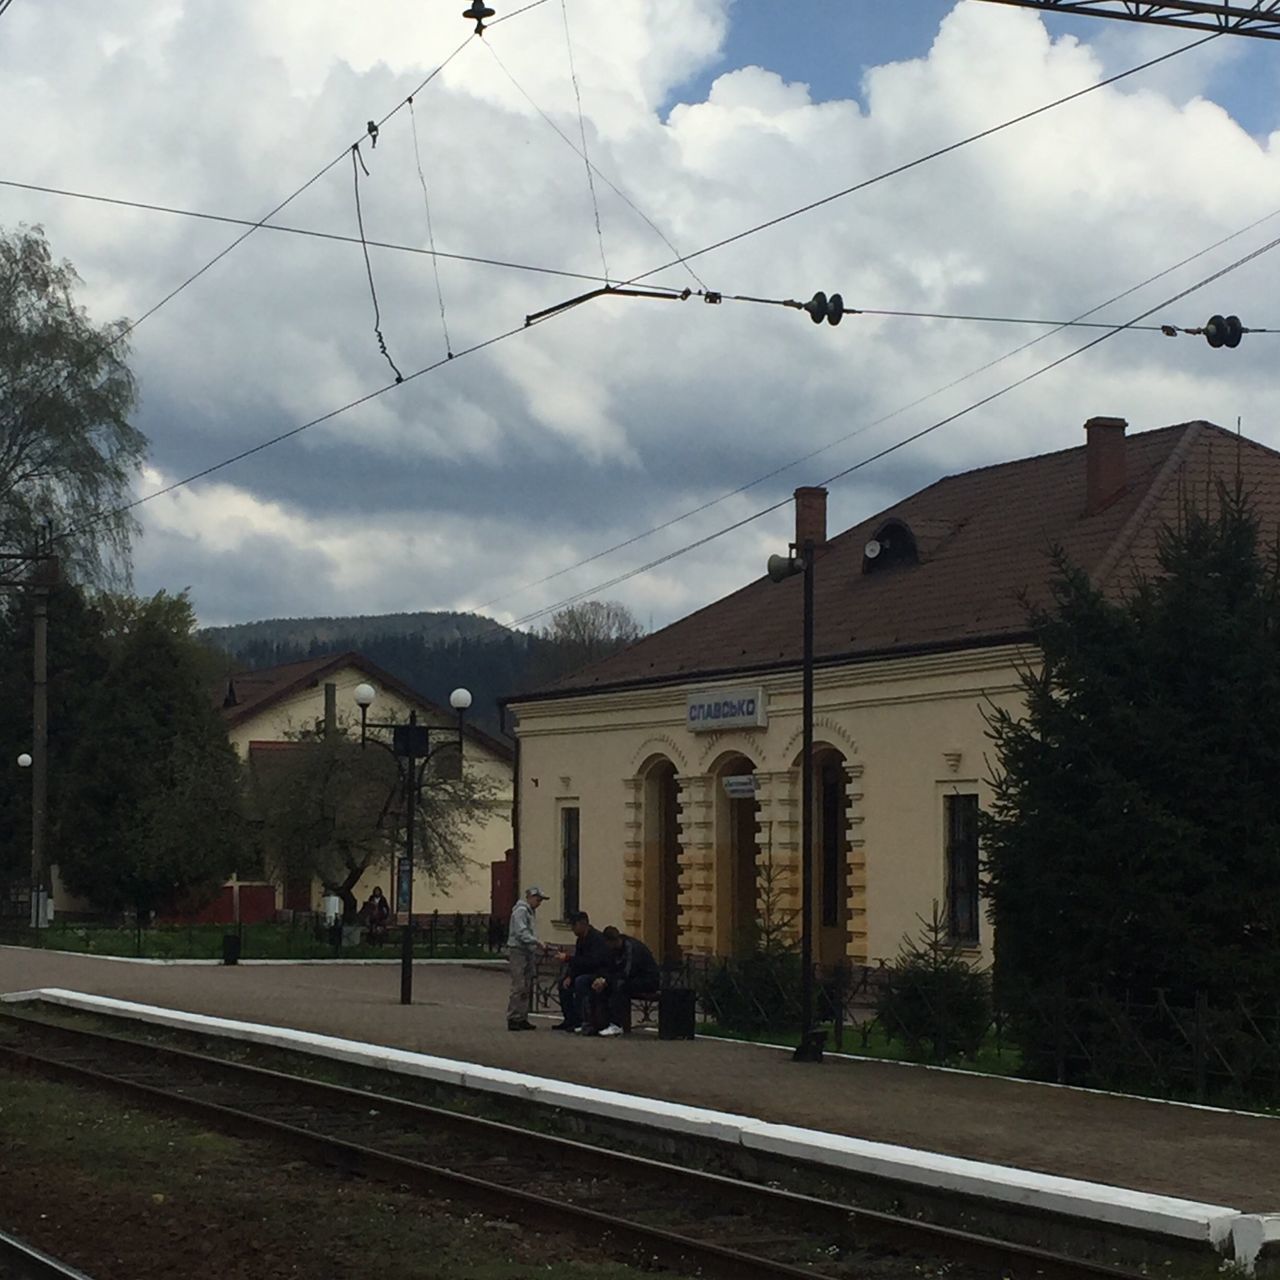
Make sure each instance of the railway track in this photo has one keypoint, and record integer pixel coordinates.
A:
(20, 1261)
(666, 1214)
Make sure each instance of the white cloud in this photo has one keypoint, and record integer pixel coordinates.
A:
(561, 440)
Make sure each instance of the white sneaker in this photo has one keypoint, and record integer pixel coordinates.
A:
(612, 1030)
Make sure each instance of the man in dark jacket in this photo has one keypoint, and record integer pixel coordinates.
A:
(634, 972)
(590, 958)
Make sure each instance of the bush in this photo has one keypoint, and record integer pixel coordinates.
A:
(934, 1001)
(755, 994)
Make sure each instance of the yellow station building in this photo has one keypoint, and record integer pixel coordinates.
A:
(659, 789)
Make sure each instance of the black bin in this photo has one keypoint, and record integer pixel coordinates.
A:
(230, 948)
(677, 1013)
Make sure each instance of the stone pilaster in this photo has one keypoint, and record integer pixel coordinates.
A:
(633, 856)
(857, 946)
(697, 864)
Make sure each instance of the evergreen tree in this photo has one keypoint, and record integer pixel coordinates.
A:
(1135, 836)
(149, 816)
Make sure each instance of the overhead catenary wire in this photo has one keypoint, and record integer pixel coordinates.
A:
(125, 330)
(508, 333)
(204, 215)
(582, 132)
(1168, 330)
(896, 445)
(357, 164)
(431, 235)
(868, 426)
(620, 192)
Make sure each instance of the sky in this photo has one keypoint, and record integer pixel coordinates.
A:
(477, 484)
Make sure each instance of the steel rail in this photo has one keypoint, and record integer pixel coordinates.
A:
(842, 1221)
(22, 1261)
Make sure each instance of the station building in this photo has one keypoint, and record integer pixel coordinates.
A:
(659, 789)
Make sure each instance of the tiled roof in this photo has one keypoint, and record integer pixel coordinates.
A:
(983, 539)
(247, 694)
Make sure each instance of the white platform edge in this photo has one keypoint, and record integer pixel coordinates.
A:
(1185, 1220)
(244, 964)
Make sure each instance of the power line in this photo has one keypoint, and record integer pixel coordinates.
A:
(900, 444)
(861, 430)
(604, 177)
(205, 216)
(582, 132)
(431, 235)
(719, 244)
(356, 165)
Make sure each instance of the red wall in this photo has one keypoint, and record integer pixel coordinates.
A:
(257, 906)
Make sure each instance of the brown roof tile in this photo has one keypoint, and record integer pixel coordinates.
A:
(983, 538)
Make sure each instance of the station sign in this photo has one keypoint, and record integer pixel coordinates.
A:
(711, 710)
(740, 786)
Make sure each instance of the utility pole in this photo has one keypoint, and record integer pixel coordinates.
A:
(40, 582)
(41, 888)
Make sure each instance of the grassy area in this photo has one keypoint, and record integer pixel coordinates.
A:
(992, 1059)
(204, 942)
(124, 1194)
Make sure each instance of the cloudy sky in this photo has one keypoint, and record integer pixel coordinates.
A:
(462, 487)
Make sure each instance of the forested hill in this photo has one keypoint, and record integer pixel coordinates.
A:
(432, 652)
(321, 635)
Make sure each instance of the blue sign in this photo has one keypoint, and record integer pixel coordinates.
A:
(712, 710)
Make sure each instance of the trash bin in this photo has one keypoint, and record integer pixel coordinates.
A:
(677, 1013)
(230, 948)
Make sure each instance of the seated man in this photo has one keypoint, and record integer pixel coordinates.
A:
(634, 972)
(590, 958)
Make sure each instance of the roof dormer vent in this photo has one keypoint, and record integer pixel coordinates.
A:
(893, 544)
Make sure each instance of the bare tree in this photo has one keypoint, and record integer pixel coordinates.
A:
(331, 810)
(584, 633)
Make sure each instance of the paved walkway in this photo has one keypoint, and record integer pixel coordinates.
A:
(1213, 1156)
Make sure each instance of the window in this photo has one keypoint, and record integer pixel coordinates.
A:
(961, 817)
(569, 861)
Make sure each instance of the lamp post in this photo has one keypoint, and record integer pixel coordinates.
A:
(413, 749)
(801, 560)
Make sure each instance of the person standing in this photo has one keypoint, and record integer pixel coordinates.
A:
(523, 949)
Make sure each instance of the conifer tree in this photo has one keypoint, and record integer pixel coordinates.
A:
(1134, 841)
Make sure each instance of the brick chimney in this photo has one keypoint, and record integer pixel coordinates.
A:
(1105, 476)
(811, 516)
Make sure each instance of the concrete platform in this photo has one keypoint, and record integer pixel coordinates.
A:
(1195, 1154)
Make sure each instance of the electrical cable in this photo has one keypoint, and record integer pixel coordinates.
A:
(861, 430)
(604, 177)
(431, 235)
(582, 131)
(204, 216)
(357, 163)
(899, 444)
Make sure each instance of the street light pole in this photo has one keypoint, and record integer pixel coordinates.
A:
(40, 886)
(802, 560)
(411, 743)
(410, 821)
(810, 1049)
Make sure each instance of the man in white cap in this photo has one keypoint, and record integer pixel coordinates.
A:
(523, 949)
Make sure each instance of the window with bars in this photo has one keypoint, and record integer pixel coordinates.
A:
(569, 860)
(961, 818)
